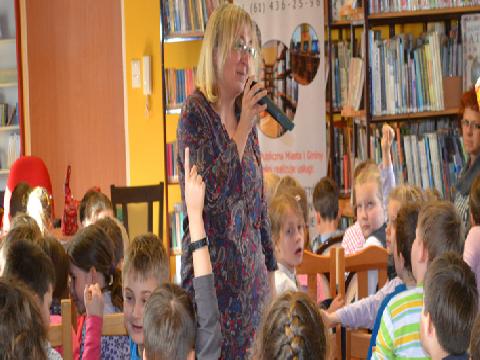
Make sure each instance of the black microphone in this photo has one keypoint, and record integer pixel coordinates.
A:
(276, 112)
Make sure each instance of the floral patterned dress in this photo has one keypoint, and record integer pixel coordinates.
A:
(236, 222)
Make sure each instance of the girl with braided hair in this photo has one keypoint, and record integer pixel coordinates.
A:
(292, 328)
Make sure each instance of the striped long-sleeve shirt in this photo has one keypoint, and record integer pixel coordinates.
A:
(399, 334)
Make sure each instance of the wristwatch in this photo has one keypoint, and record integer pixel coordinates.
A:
(195, 245)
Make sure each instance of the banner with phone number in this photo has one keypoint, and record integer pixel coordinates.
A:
(293, 71)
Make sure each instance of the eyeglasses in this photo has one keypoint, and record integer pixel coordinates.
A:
(244, 48)
(471, 124)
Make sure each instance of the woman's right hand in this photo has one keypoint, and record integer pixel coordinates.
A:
(250, 106)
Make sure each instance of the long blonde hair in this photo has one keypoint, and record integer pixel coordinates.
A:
(220, 35)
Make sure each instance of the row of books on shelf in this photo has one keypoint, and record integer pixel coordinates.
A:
(180, 83)
(181, 16)
(172, 168)
(341, 55)
(407, 74)
(379, 6)
(8, 115)
(177, 231)
(429, 154)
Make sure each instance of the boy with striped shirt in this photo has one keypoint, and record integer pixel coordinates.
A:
(438, 231)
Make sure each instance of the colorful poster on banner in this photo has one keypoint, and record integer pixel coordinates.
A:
(292, 38)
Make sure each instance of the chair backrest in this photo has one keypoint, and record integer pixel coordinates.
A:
(114, 325)
(314, 264)
(61, 334)
(369, 259)
(123, 195)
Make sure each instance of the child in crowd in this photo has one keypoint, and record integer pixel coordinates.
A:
(438, 231)
(23, 334)
(325, 202)
(292, 328)
(115, 233)
(59, 257)
(145, 268)
(450, 305)
(91, 254)
(93, 206)
(25, 231)
(270, 183)
(19, 199)
(354, 238)
(39, 207)
(366, 313)
(288, 235)
(171, 330)
(471, 253)
(25, 261)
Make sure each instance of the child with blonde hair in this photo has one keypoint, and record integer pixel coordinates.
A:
(288, 235)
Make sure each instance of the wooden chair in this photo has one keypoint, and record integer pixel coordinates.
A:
(371, 258)
(312, 265)
(124, 195)
(61, 334)
(114, 325)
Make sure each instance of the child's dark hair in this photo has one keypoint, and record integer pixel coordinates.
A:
(27, 262)
(440, 228)
(474, 200)
(19, 199)
(91, 246)
(93, 202)
(475, 339)
(115, 233)
(405, 226)
(292, 328)
(325, 198)
(23, 334)
(59, 257)
(147, 257)
(169, 324)
(451, 299)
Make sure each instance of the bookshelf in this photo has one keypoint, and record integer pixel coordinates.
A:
(10, 88)
(181, 39)
(365, 122)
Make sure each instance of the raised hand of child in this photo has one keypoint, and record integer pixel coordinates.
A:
(388, 134)
(336, 304)
(93, 298)
(194, 189)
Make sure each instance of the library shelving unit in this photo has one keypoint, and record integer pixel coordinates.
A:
(389, 22)
(11, 127)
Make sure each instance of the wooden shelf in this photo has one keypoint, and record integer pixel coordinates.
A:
(348, 113)
(7, 40)
(9, 128)
(9, 84)
(173, 179)
(187, 36)
(414, 116)
(430, 15)
(174, 111)
(4, 171)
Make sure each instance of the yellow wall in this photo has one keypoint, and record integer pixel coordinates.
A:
(145, 133)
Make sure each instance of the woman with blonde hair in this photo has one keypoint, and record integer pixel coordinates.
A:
(217, 124)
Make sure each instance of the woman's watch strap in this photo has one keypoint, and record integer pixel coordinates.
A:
(198, 244)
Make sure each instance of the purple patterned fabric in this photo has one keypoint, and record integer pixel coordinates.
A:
(235, 218)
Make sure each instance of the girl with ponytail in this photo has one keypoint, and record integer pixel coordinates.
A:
(92, 261)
